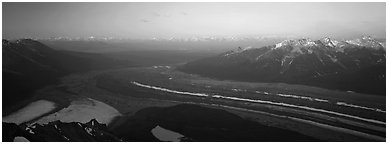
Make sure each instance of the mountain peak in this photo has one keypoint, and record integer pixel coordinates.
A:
(367, 38)
(304, 42)
(367, 41)
(330, 42)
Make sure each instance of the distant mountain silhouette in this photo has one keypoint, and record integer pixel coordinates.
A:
(353, 65)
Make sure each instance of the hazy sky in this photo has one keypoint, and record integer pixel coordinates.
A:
(147, 20)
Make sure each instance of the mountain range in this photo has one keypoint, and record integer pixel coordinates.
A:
(351, 65)
(210, 44)
(29, 65)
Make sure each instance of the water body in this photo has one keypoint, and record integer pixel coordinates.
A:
(20, 139)
(83, 111)
(166, 135)
(29, 112)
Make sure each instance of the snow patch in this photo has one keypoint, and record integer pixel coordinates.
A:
(161, 67)
(278, 45)
(266, 93)
(66, 138)
(171, 91)
(30, 130)
(89, 131)
(267, 102)
(293, 96)
(302, 97)
(360, 107)
(301, 107)
(238, 90)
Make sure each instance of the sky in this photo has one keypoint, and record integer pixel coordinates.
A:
(180, 20)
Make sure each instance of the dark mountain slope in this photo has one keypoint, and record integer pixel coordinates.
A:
(57, 131)
(29, 65)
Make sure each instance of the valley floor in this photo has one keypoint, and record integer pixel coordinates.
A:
(320, 113)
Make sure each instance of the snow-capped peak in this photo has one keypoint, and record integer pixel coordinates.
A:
(306, 45)
(283, 43)
(278, 45)
(367, 38)
(298, 43)
(330, 42)
(366, 41)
